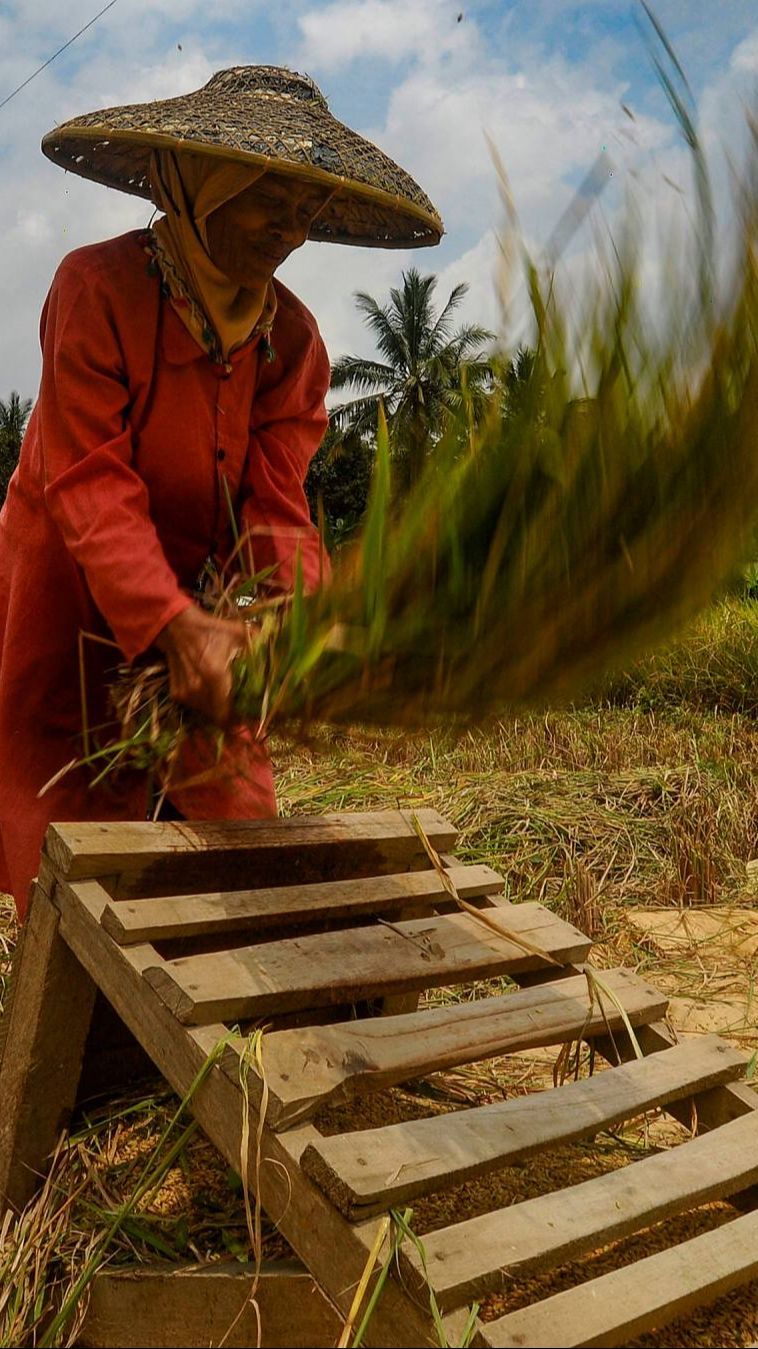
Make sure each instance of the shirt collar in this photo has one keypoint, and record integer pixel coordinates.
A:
(178, 346)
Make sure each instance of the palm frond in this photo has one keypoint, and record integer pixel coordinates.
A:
(441, 329)
(362, 373)
(388, 337)
(358, 416)
(467, 340)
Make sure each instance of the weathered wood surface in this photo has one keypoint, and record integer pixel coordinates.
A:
(708, 1109)
(484, 1254)
(257, 910)
(644, 1296)
(142, 859)
(335, 1252)
(377, 1169)
(310, 1066)
(200, 1305)
(47, 1026)
(364, 962)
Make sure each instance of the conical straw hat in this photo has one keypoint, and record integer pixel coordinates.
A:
(258, 114)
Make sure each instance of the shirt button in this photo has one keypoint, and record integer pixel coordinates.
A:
(220, 454)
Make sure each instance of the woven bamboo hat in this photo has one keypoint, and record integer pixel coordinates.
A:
(258, 114)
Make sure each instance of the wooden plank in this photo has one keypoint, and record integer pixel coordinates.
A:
(378, 1169)
(347, 966)
(707, 1109)
(48, 1021)
(714, 1107)
(257, 910)
(143, 858)
(644, 1296)
(334, 1251)
(208, 1304)
(484, 1254)
(311, 1065)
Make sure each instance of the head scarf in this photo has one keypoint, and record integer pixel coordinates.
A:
(188, 188)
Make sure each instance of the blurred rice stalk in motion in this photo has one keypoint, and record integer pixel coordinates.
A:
(570, 531)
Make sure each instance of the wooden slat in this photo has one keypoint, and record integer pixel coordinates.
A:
(47, 1024)
(306, 1067)
(346, 966)
(141, 858)
(712, 1108)
(484, 1254)
(199, 1305)
(334, 1251)
(621, 1305)
(379, 1169)
(257, 910)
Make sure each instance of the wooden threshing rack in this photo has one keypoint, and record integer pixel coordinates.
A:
(325, 930)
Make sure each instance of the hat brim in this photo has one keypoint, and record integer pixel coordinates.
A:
(375, 203)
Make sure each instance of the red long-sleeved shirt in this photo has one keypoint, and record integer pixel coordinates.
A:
(117, 501)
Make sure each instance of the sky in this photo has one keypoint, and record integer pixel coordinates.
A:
(551, 84)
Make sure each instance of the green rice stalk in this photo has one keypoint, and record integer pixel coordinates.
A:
(402, 1222)
(363, 1283)
(378, 1289)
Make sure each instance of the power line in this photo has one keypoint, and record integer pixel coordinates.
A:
(50, 59)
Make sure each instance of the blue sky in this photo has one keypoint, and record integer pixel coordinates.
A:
(545, 78)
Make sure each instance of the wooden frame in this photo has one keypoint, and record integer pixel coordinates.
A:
(209, 1304)
(195, 891)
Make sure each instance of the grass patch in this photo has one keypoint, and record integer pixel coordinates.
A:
(714, 666)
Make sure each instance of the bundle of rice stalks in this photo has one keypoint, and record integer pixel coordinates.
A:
(551, 543)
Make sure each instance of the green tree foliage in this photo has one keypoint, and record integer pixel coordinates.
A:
(428, 375)
(519, 392)
(339, 478)
(14, 414)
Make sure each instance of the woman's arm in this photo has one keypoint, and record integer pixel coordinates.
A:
(101, 504)
(288, 424)
(92, 490)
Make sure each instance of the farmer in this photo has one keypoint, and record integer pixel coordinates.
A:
(181, 401)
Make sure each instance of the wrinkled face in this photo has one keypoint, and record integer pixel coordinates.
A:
(250, 236)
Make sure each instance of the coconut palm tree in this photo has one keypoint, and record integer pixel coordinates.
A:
(14, 414)
(427, 375)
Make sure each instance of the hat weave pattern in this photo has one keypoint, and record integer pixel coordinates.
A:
(256, 114)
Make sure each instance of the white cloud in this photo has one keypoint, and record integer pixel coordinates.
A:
(48, 213)
(479, 268)
(334, 35)
(745, 55)
(546, 122)
(326, 277)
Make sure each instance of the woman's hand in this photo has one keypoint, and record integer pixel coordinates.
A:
(199, 651)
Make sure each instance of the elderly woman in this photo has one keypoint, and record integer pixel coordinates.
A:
(181, 401)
